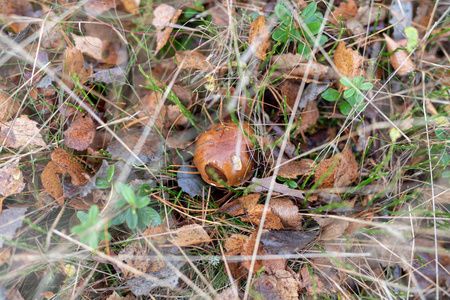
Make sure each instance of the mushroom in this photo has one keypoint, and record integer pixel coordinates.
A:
(224, 152)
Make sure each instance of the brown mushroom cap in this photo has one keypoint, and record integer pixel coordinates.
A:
(215, 152)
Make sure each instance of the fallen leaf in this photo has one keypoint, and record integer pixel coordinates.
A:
(240, 205)
(285, 242)
(65, 161)
(399, 60)
(260, 185)
(164, 16)
(289, 91)
(131, 6)
(348, 62)
(312, 69)
(89, 45)
(345, 11)
(21, 8)
(8, 106)
(280, 286)
(134, 255)
(11, 180)
(259, 36)
(174, 116)
(10, 221)
(192, 60)
(192, 184)
(80, 134)
(189, 235)
(294, 168)
(5, 255)
(228, 294)
(338, 171)
(287, 212)
(331, 228)
(22, 131)
(366, 15)
(309, 116)
(51, 182)
(95, 7)
(152, 107)
(115, 76)
(287, 61)
(235, 244)
(254, 216)
(247, 250)
(73, 65)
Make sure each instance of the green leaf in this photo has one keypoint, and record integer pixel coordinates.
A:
(315, 27)
(280, 35)
(79, 229)
(91, 239)
(282, 12)
(111, 173)
(446, 174)
(144, 217)
(128, 194)
(358, 80)
(131, 219)
(154, 217)
(291, 184)
(366, 86)
(82, 216)
(142, 201)
(411, 33)
(330, 95)
(445, 157)
(304, 50)
(348, 93)
(310, 10)
(93, 214)
(102, 183)
(345, 108)
(359, 97)
(118, 220)
(323, 39)
(441, 134)
(346, 82)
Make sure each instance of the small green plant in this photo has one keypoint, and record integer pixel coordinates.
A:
(105, 183)
(133, 209)
(289, 182)
(287, 31)
(413, 38)
(91, 229)
(353, 96)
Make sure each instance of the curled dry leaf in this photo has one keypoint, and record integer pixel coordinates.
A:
(292, 169)
(345, 11)
(235, 243)
(89, 45)
(164, 16)
(192, 60)
(80, 134)
(338, 171)
(287, 212)
(279, 286)
(51, 182)
(189, 235)
(259, 36)
(20, 132)
(399, 60)
(65, 161)
(348, 62)
(215, 154)
(74, 66)
(134, 255)
(254, 216)
(240, 205)
(96, 8)
(287, 61)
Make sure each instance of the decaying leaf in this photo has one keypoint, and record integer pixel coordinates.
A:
(338, 171)
(174, 116)
(74, 66)
(192, 60)
(134, 255)
(20, 132)
(331, 228)
(294, 168)
(240, 205)
(96, 8)
(89, 45)
(80, 134)
(261, 185)
(348, 62)
(399, 60)
(366, 15)
(164, 16)
(284, 241)
(190, 183)
(287, 212)
(259, 36)
(10, 221)
(153, 108)
(65, 161)
(131, 6)
(51, 182)
(309, 116)
(279, 286)
(287, 61)
(345, 11)
(8, 106)
(254, 216)
(11, 180)
(189, 235)
(235, 243)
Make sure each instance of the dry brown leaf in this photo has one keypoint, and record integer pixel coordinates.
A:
(192, 60)
(247, 250)
(366, 215)
(346, 10)
(348, 62)
(65, 161)
(312, 69)
(174, 115)
(95, 7)
(289, 91)
(164, 16)
(235, 244)
(21, 8)
(177, 143)
(303, 167)
(366, 15)
(51, 182)
(259, 37)
(190, 235)
(287, 61)
(260, 185)
(286, 241)
(11, 181)
(331, 228)
(287, 212)
(5, 255)
(20, 132)
(240, 205)
(134, 255)
(153, 107)
(80, 134)
(8, 106)
(74, 66)
(280, 286)
(89, 45)
(228, 294)
(338, 171)
(309, 116)
(131, 6)
(399, 60)
(254, 216)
